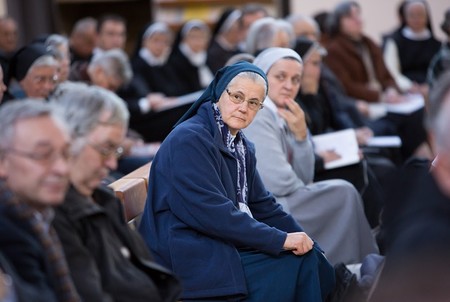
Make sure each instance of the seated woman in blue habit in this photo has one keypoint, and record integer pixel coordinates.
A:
(208, 216)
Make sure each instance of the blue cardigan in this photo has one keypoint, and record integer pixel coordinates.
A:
(192, 221)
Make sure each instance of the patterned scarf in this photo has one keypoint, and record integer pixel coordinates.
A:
(47, 236)
(236, 146)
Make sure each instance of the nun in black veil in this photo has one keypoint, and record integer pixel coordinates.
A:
(188, 57)
(149, 59)
(225, 39)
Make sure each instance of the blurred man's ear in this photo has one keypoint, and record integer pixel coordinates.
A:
(441, 172)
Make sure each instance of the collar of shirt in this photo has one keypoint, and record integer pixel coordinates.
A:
(420, 36)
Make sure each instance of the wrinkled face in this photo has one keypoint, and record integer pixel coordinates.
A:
(284, 79)
(40, 81)
(158, 44)
(8, 35)
(97, 157)
(352, 25)
(416, 16)
(112, 35)
(305, 29)
(311, 67)
(197, 40)
(35, 167)
(239, 116)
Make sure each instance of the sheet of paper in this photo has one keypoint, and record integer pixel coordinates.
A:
(412, 103)
(385, 141)
(342, 142)
(181, 100)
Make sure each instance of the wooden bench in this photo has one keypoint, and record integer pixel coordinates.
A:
(131, 189)
(142, 172)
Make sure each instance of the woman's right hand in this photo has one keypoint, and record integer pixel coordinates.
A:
(299, 243)
(295, 119)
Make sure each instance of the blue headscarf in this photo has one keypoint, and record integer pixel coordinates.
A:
(220, 83)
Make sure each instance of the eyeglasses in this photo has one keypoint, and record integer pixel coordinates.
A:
(239, 98)
(45, 79)
(107, 152)
(46, 158)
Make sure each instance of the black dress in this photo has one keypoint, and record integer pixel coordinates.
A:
(157, 78)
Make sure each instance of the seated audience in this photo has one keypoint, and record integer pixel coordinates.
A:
(358, 63)
(34, 175)
(207, 210)
(408, 51)
(111, 70)
(188, 57)
(149, 62)
(330, 211)
(225, 39)
(108, 261)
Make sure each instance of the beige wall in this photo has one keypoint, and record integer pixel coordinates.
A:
(380, 16)
(2, 7)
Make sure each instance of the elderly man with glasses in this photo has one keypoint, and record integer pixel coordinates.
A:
(34, 176)
(108, 261)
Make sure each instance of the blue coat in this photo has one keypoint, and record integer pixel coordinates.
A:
(191, 219)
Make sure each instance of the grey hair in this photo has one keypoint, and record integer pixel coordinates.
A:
(86, 107)
(260, 34)
(114, 63)
(53, 42)
(287, 27)
(13, 112)
(294, 18)
(258, 79)
(437, 118)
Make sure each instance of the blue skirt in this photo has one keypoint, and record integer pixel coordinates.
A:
(287, 277)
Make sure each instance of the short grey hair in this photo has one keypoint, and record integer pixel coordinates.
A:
(260, 35)
(437, 118)
(53, 42)
(85, 107)
(13, 112)
(258, 79)
(114, 63)
(263, 31)
(287, 27)
(294, 18)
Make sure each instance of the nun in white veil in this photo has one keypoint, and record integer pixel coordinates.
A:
(330, 211)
